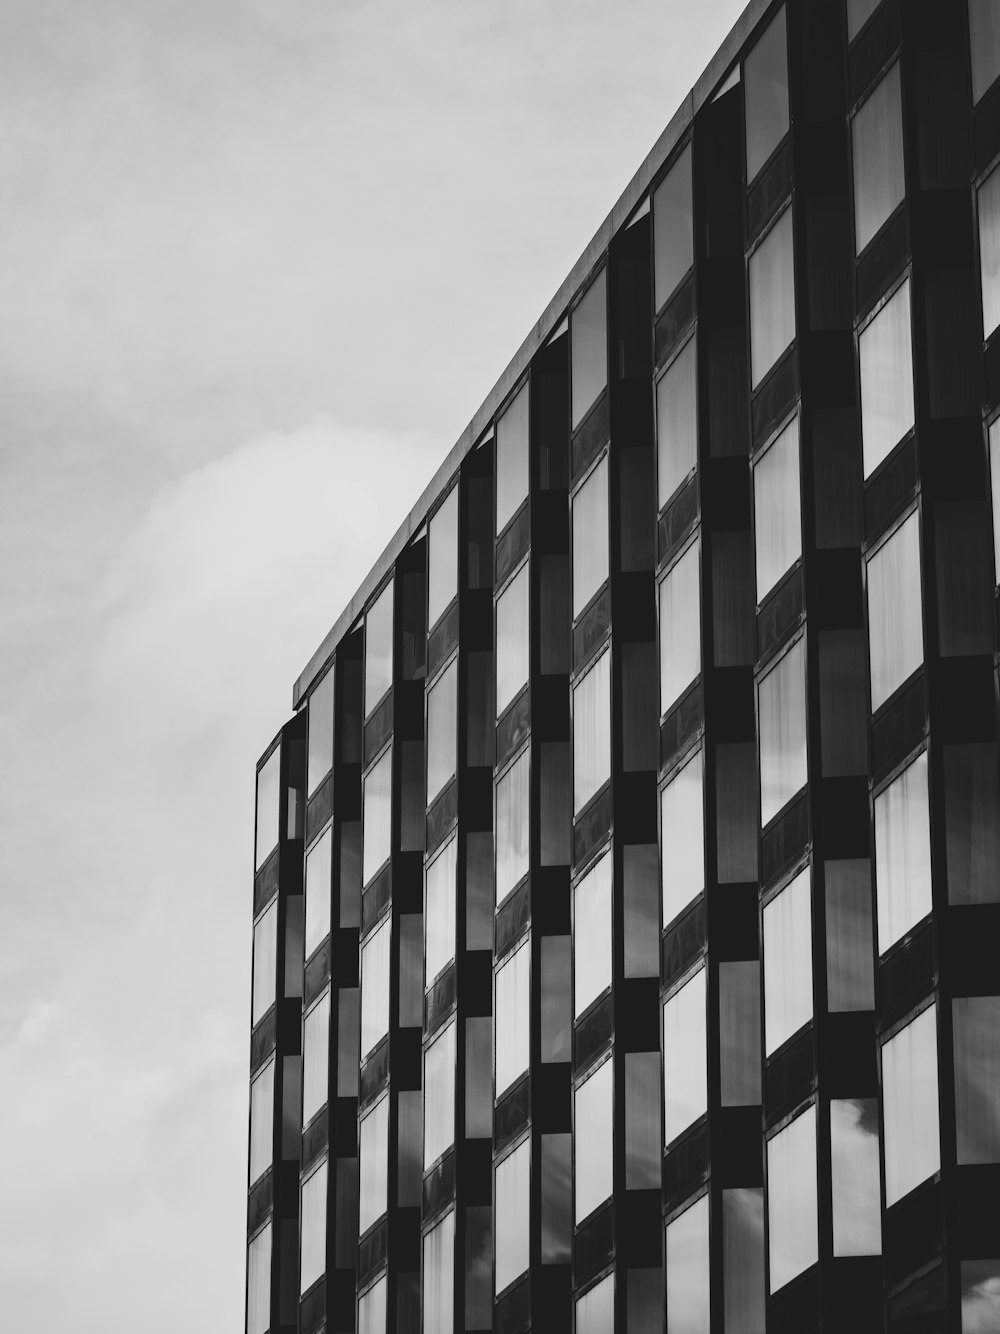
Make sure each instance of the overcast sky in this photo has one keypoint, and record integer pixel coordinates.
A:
(260, 261)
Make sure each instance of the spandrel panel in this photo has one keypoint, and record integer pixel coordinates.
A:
(268, 805)
(777, 509)
(512, 459)
(902, 854)
(886, 379)
(743, 1260)
(438, 1286)
(373, 1168)
(912, 1143)
(439, 1095)
(687, 1269)
(512, 829)
(442, 558)
(512, 1017)
(377, 833)
(265, 962)
(312, 1241)
(513, 1218)
(315, 1058)
(854, 1155)
(782, 720)
(685, 1062)
(375, 988)
(378, 648)
(850, 951)
(592, 934)
(788, 996)
(676, 422)
(976, 1022)
(877, 140)
(262, 1122)
(594, 1125)
(772, 298)
(513, 641)
(682, 838)
(442, 731)
(673, 228)
(589, 347)
(592, 731)
(792, 1222)
(348, 1038)
(319, 860)
(765, 79)
(680, 627)
(590, 536)
(439, 911)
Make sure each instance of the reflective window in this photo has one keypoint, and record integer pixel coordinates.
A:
(259, 1282)
(378, 648)
(682, 838)
(777, 509)
(688, 1287)
(643, 1142)
(350, 873)
(375, 987)
(895, 632)
(910, 1106)
(268, 804)
(555, 765)
(512, 459)
(843, 702)
(312, 1237)
(736, 807)
(673, 228)
(858, 14)
(791, 1199)
(962, 574)
(265, 961)
(644, 1301)
(782, 723)
(976, 1022)
(877, 139)
(479, 890)
(439, 1277)
(902, 854)
(262, 1121)
(479, 1077)
(294, 945)
(442, 557)
(593, 1104)
(439, 1095)
(677, 422)
(377, 814)
(557, 1001)
(478, 1267)
(512, 1017)
(592, 934)
(980, 1296)
(641, 868)
(788, 999)
(512, 827)
(680, 628)
(595, 1310)
(589, 347)
(739, 1032)
(439, 911)
(733, 627)
(972, 823)
(442, 730)
(995, 491)
(850, 954)
(320, 755)
(765, 79)
(513, 1218)
(772, 297)
(315, 1058)
(371, 1308)
(592, 731)
(556, 1214)
(743, 1260)
(346, 1213)
(590, 536)
(318, 891)
(984, 28)
(348, 1037)
(513, 639)
(989, 249)
(685, 1072)
(411, 970)
(373, 1168)
(886, 379)
(854, 1155)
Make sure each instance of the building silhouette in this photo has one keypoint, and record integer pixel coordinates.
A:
(627, 880)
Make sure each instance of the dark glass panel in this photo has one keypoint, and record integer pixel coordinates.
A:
(557, 1199)
(850, 953)
(637, 529)
(733, 598)
(743, 1260)
(479, 1077)
(554, 614)
(645, 1301)
(556, 1005)
(409, 1131)
(478, 1267)
(736, 811)
(642, 1120)
(589, 347)
(739, 1032)
(765, 78)
(479, 891)
(972, 823)
(480, 711)
(556, 829)
(350, 873)
(977, 1078)
(348, 1040)
(843, 702)
(836, 478)
(964, 581)
(411, 970)
(980, 1296)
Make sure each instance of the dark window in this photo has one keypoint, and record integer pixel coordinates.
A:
(479, 1077)
(732, 598)
(409, 1131)
(739, 1033)
(736, 811)
(478, 1267)
(964, 584)
(320, 732)
(850, 981)
(977, 1078)
(843, 702)
(642, 1120)
(554, 615)
(554, 801)
(980, 1296)
(639, 707)
(557, 1008)
(877, 138)
(743, 1259)
(972, 823)
(673, 228)
(589, 347)
(557, 1199)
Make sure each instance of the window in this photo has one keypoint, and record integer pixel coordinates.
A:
(375, 987)
(733, 638)
(409, 1147)
(782, 729)
(673, 228)
(265, 961)
(411, 970)
(902, 854)
(677, 422)
(320, 753)
(262, 1121)
(854, 1154)
(641, 868)
(858, 14)
(557, 1001)
(644, 1301)
(964, 586)
(593, 1104)
(268, 806)
(439, 911)
(743, 1260)
(512, 827)
(895, 632)
(312, 1244)
(259, 1282)
(588, 342)
(995, 493)
(595, 1310)
(590, 536)
(688, 1288)
(980, 1296)
(877, 139)
(685, 1072)
(479, 890)
(976, 1021)
(478, 1267)
(377, 814)
(777, 509)
(371, 1308)
(989, 249)
(592, 731)
(972, 823)
(680, 628)
(442, 558)
(513, 1218)
(556, 1214)
(886, 379)
(555, 775)
(442, 731)
(739, 1032)
(513, 639)
(439, 1095)
(910, 1106)
(439, 1277)
(513, 1017)
(772, 297)
(843, 702)
(850, 980)
(682, 838)
(373, 1168)
(592, 934)
(984, 29)
(643, 1142)
(346, 1213)
(378, 649)
(348, 1038)
(736, 807)
(315, 1058)
(788, 999)
(791, 1199)
(512, 459)
(765, 79)
(318, 891)
(479, 1077)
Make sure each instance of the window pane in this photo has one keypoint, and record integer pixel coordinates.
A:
(677, 422)
(595, 1310)
(850, 979)
(976, 1021)
(644, 1301)
(877, 138)
(265, 961)
(439, 1277)
(313, 1239)
(480, 709)
(980, 1296)
(594, 1121)
(377, 814)
(643, 1151)
(765, 78)
(964, 587)
(682, 838)
(513, 1017)
(673, 228)
(512, 827)
(590, 536)
(680, 628)
(743, 1259)
(442, 558)
(439, 911)
(984, 26)
(854, 1153)
(513, 1220)
(350, 873)
(348, 1036)
(409, 1143)
(557, 1199)
(512, 639)
(442, 731)
(782, 717)
(788, 999)
(685, 1073)
(902, 854)
(592, 930)
(972, 823)
(375, 987)
(736, 812)
(895, 633)
(262, 1121)
(791, 1199)
(411, 970)
(686, 1245)
(555, 836)
(733, 598)
(886, 379)
(371, 1308)
(318, 891)
(777, 509)
(858, 14)
(439, 1096)
(478, 1267)
(512, 459)
(557, 1001)
(378, 648)
(479, 1077)
(315, 1058)
(739, 1032)
(479, 890)
(320, 755)
(843, 702)
(346, 1211)
(910, 1106)
(259, 1282)
(642, 910)
(995, 492)
(268, 802)
(592, 731)
(588, 340)
(373, 1169)
(772, 297)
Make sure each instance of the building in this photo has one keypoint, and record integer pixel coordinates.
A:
(627, 880)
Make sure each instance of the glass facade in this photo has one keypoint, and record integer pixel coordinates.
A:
(877, 143)
(887, 409)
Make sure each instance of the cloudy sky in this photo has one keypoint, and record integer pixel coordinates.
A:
(260, 261)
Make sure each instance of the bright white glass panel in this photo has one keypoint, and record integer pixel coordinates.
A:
(439, 1095)
(910, 1106)
(877, 139)
(673, 228)
(512, 827)
(377, 815)
(765, 79)
(373, 1168)
(442, 558)
(439, 911)
(378, 648)
(984, 28)
(312, 1243)
(685, 1059)
(589, 347)
(595, 1310)
(513, 1017)
(592, 731)
(320, 756)
(676, 422)
(590, 536)
(886, 379)
(318, 891)
(259, 1282)
(791, 1199)
(594, 1118)
(442, 731)
(315, 1058)
(680, 628)
(439, 1277)
(265, 961)
(782, 719)
(995, 488)
(371, 1308)
(513, 639)
(688, 1287)
(854, 1155)
(772, 297)
(261, 1121)
(895, 633)
(989, 249)
(375, 987)
(682, 838)
(902, 854)
(592, 934)
(513, 1219)
(788, 998)
(512, 459)
(268, 805)
(777, 509)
